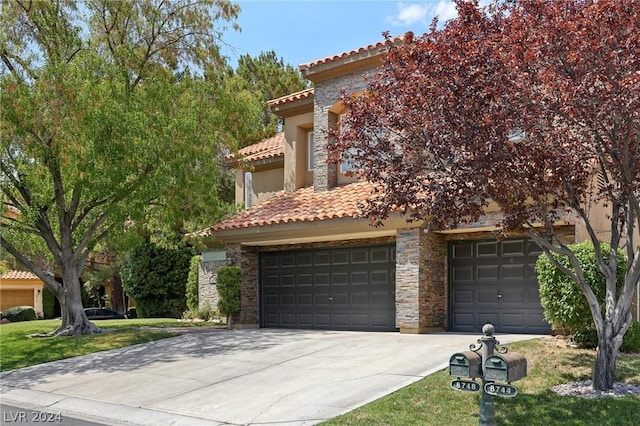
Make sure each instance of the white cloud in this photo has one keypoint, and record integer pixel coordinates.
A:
(444, 10)
(409, 14)
(423, 12)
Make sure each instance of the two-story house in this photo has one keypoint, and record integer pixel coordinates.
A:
(308, 261)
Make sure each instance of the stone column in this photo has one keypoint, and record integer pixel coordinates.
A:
(420, 283)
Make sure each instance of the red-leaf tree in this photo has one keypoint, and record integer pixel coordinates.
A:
(533, 105)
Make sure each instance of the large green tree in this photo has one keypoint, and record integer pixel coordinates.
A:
(529, 104)
(106, 122)
(266, 77)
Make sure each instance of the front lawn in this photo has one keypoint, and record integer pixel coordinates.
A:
(431, 401)
(17, 350)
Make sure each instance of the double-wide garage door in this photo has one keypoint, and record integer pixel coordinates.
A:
(10, 298)
(331, 289)
(495, 281)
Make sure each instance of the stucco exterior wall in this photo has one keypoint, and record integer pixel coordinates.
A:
(296, 173)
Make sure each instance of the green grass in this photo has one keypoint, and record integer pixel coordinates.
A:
(17, 350)
(431, 401)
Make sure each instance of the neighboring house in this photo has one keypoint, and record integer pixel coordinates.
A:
(20, 288)
(309, 262)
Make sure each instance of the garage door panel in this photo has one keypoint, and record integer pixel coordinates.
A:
(359, 299)
(340, 257)
(287, 261)
(461, 296)
(322, 259)
(359, 256)
(489, 248)
(487, 273)
(514, 272)
(339, 299)
(319, 320)
(515, 248)
(461, 274)
(513, 319)
(485, 317)
(304, 280)
(487, 296)
(382, 277)
(360, 278)
(305, 300)
(341, 278)
(349, 287)
(463, 251)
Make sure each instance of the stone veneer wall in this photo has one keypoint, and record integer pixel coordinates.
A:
(325, 97)
(207, 289)
(421, 297)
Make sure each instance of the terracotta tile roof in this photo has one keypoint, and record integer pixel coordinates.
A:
(268, 148)
(303, 205)
(304, 94)
(19, 275)
(369, 48)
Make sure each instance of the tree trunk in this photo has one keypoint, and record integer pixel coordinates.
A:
(74, 321)
(117, 294)
(606, 355)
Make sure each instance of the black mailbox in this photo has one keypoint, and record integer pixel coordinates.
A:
(507, 367)
(465, 364)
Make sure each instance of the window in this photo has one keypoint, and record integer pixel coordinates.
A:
(345, 164)
(516, 135)
(310, 149)
(248, 189)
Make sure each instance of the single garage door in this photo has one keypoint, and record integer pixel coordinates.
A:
(329, 289)
(495, 281)
(15, 297)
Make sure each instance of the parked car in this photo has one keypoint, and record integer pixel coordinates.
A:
(102, 314)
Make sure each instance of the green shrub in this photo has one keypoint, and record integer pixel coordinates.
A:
(156, 276)
(132, 312)
(20, 313)
(631, 340)
(205, 313)
(48, 303)
(564, 303)
(192, 283)
(229, 278)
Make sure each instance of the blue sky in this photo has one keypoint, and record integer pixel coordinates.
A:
(301, 31)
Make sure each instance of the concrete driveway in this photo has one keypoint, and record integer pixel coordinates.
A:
(286, 377)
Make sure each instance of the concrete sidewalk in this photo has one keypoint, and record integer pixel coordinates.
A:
(266, 376)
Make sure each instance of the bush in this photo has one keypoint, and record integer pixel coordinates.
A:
(631, 340)
(192, 283)
(229, 278)
(205, 313)
(49, 304)
(132, 312)
(564, 303)
(20, 313)
(156, 278)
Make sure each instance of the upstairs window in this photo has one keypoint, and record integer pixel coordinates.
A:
(248, 189)
(346, 165)
(310, 149)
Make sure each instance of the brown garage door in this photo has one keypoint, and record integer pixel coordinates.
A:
(495, 281)
(11, 298)
(330, 289)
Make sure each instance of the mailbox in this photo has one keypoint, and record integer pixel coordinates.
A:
(507, 367)
(465, 364)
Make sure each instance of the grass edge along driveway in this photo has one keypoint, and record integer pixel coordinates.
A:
(17, 350)
(431, 401)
